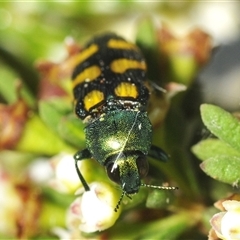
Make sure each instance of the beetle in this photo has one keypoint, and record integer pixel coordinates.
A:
(111, 97)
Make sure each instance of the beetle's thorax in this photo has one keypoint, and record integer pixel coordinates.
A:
(118, 132)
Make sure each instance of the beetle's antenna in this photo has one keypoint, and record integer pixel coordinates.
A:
(119, 201)
(159, 187)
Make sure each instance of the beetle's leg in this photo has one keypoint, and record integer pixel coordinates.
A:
(81, 155)
(158, 153)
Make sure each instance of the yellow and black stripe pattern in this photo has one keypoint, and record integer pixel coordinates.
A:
(109, 75)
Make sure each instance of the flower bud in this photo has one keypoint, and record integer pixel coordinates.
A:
(94, 210)
(66, 179)
(227, 224)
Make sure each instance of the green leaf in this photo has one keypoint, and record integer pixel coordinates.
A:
(222, 124)
(8, 87)
(223, 168)
(72, 130)
(146, 35)
(159, 199)
(212, 147)
(52, 111)
(55, 114)
(146, 39)
(169, 228)
(184, 68)
(39, 139)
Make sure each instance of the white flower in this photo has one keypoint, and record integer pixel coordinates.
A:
(94, 210)
(227, 224)
(66, 179)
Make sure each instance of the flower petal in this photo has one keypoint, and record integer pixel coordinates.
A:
(216, 223)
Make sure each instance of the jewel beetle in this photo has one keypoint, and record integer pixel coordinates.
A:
(111, 97)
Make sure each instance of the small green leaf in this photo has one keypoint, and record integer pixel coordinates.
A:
(55, 114)
(39, 139)
(159, 199)
(146, 39)
(184, 67)
(212, 147)
(222, 124)
(52, 111)
(223, 168)
(72, 130)
(146, 35)
(168, 228)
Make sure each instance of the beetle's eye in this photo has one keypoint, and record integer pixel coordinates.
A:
(113, 172)
(142, 165)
